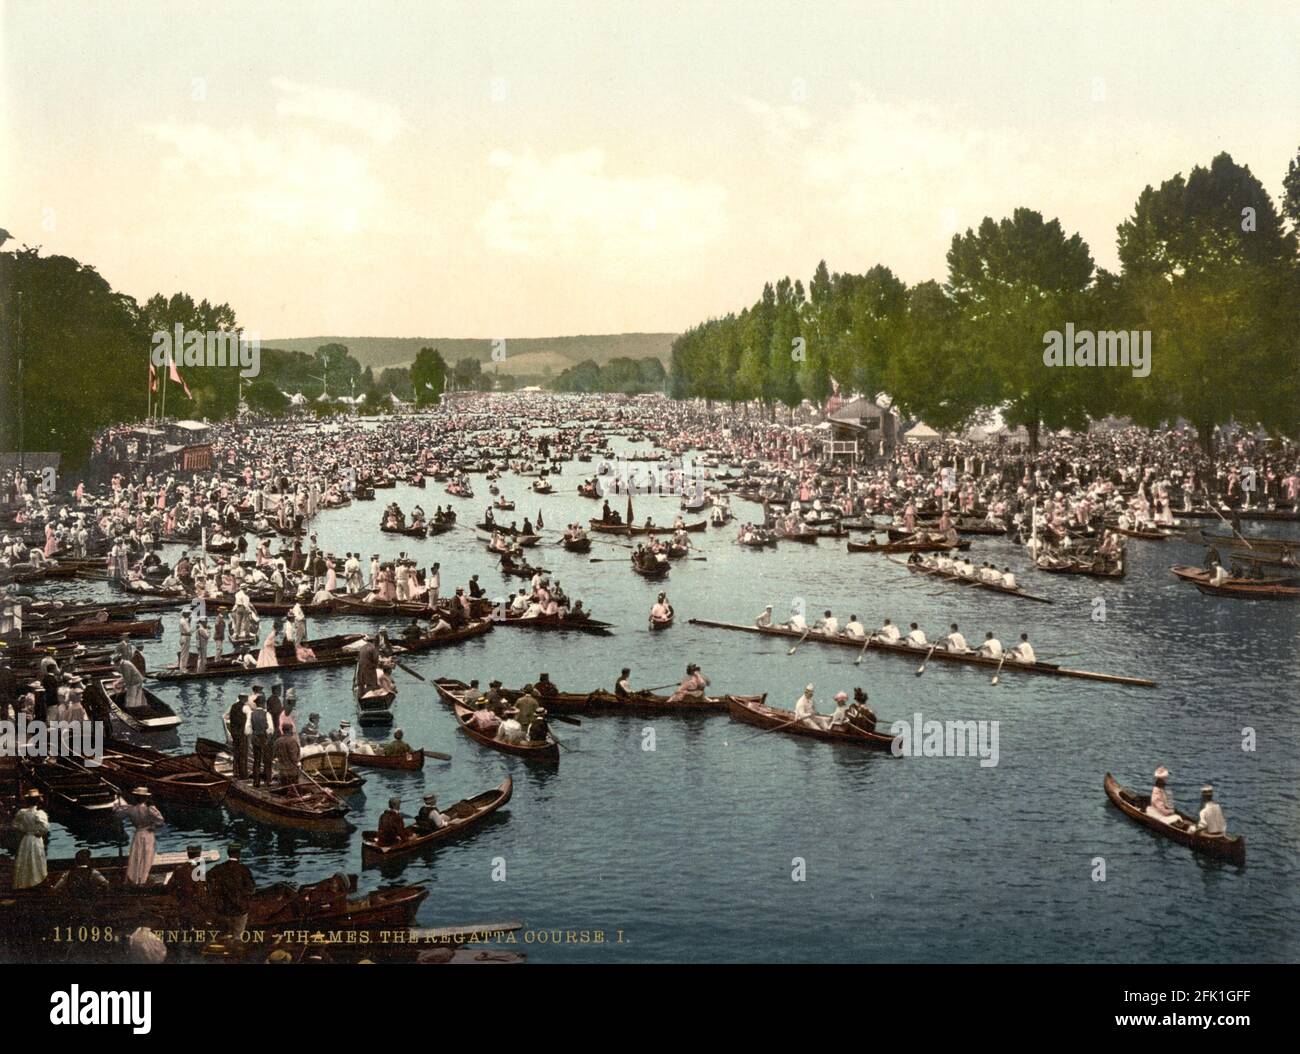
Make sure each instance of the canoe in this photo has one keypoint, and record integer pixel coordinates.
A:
(442, 640)
(601, 527)
(153, 716)
(949, 576)
(1073, 567)
(1250, 544)
(905, 547)
(462, 818)
(98, 630)
(753, 711)
(1133, 805)
(916, 654)
(545, 753)
(1245, 515)
(656, 626)
(299, 805)
(412, 761)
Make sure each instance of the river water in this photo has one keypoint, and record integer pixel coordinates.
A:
(681, 839)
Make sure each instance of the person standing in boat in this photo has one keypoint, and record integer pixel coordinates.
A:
(146, 819)
(183, 652)
(33, 824)
(203, 635)
(1162, 801)
(231, 888)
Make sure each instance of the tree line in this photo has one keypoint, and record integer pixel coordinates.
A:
(1209, 266)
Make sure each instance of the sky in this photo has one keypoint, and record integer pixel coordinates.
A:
(543, 169)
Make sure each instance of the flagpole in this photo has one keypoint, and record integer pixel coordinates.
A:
(163, 414)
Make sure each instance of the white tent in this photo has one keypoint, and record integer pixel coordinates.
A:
(920, 433)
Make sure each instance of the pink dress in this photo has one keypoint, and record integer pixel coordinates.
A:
(145, 819)
(266, 657)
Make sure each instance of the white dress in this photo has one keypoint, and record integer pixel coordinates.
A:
(29, 869)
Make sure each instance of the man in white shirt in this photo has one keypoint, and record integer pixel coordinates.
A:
(1211, 819)
(888, 633)
(1024, 651)
(916, 637)
(1008, 579)
(520, 602)
(854, 628)
(955, 642)
(797, 622)
(804, 707)
(765, 619)
(992, 647)
(828, 624)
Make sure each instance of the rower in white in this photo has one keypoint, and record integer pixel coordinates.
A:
(888, 633)
(992, 647)
(954, 641)
(1024, 651)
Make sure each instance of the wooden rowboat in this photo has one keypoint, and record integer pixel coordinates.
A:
(963, 658)
(299, 805)
(451, 691)
(92, 630)
(752, 711)
(577, 545)
(462, 818)
(1133, 805)
(1240, 588)
(412, 761)
(171, 779)
(601, 527)
(412, 531)
(654, 569)
(657, 625)
(72, 790)
(1078, 567)
(547, 752)
(153, 716)
(1264, 544)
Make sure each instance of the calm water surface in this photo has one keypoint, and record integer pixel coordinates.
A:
(686, 851)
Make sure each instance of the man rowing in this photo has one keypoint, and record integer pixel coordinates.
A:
(1023, 652)
(954, 641)
(991, 648)
(853, 628)
(888, 633)
(1211, 820)
(916, 637)
(828, 624)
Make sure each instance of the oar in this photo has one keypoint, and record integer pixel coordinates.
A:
(324, 788)
(800, 641)
(565, 719)
(1000, 662)
(1209, 501)
(658, 687)
(774, 728)
(865, 645)
(921, 669)
(403, 666)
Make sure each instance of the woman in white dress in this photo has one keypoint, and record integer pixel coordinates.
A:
(34, 825)
(146, 819)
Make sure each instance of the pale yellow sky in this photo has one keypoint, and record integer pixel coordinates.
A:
(534, 169)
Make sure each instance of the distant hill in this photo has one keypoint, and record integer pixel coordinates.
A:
(529, 356)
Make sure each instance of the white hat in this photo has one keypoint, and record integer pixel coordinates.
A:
(1162, 773)
(808, 688)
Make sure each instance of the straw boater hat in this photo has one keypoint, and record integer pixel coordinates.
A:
(1162, 773)
(841, 697)
(809, 688)
(430, 799)
(1207, 791)
(142, 792)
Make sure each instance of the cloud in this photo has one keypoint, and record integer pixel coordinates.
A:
(568, 204)
(377, 120)
(289, 179)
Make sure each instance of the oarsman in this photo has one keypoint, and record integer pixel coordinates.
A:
(796, 621)
(888, 633)
(623, 686)
(1211, 819)
(1024, 651)
(991, 648)
(828, 624)
(1008, 578)
(855, 629)
(429, 818)
(539, 730)
(860, 714)
(392, 828)
(805, 709)
(916, 637)
(954, 641)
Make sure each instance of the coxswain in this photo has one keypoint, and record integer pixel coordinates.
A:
(1024, 651)
(764, 621)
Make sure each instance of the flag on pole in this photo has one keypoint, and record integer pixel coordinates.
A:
(177, 378)
(153, 378)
